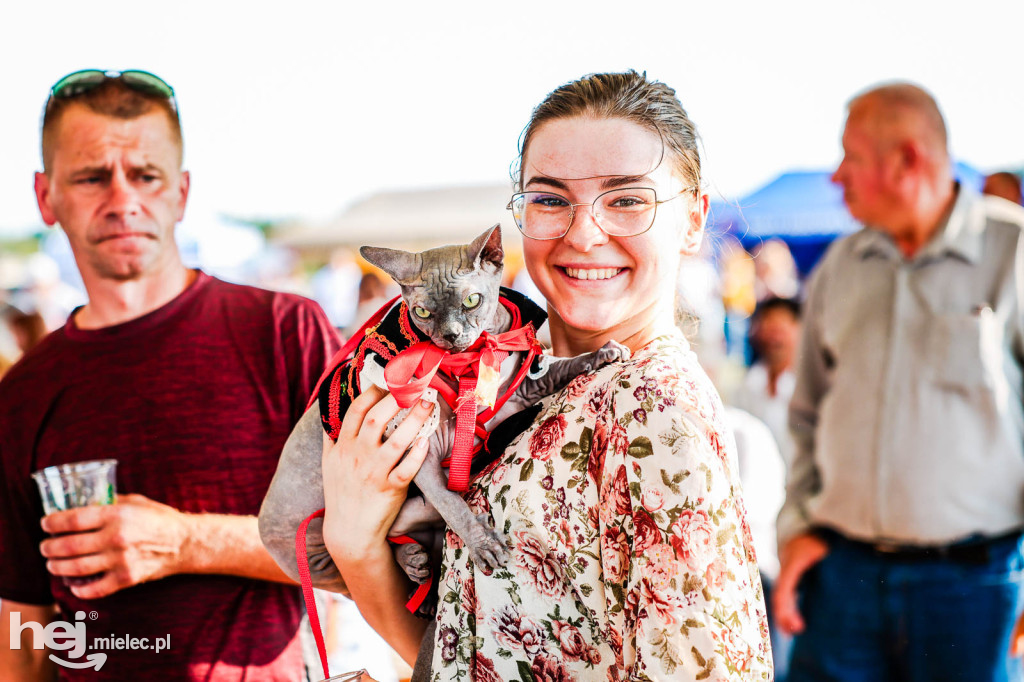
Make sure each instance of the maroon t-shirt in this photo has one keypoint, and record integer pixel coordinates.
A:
(195, 400)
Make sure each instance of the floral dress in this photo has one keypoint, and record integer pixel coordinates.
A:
(630, 557)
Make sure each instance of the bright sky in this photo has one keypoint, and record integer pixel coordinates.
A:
(294, 110)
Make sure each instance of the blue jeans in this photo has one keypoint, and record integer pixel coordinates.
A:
(871, 618)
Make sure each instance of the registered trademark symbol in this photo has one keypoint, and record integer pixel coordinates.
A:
(93, 615)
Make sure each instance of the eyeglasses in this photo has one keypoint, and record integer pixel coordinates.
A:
(81, 82)
(624, 212)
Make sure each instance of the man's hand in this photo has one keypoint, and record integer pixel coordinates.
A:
(131, 542)
(799, 554)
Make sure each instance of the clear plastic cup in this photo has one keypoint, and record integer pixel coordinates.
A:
(354, 676)
(77, 484)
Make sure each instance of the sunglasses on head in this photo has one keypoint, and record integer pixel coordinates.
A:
(80, 82)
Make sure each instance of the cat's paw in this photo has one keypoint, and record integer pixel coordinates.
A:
(415, 561)
(428, 609)
(486, 546)
(613, 351)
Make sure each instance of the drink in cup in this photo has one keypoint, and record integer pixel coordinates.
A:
(77, 484)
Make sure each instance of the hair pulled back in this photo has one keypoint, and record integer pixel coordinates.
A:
(629, 96)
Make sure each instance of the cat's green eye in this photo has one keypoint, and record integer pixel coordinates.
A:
(421, 313)
(471, 301)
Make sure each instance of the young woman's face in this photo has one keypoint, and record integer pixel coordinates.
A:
(601, 287)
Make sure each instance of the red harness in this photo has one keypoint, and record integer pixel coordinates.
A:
(410, 372)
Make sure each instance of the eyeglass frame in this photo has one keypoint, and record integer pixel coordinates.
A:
(145, 87)
(572, 209)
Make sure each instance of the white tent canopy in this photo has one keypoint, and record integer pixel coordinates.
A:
(411, 218)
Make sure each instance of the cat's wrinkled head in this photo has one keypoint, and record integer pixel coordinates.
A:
(452, 291)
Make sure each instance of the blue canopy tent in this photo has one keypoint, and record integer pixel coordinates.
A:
(803, 209)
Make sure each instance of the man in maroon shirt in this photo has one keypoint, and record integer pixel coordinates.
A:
(191, 383)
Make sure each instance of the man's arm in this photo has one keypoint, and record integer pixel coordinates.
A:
(24, 663)
(138, 540)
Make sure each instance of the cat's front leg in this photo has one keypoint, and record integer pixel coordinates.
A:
(560, 371)
(485, 545)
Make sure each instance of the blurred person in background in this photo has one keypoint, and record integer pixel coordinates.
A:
(25, 329)
(28, 329)
(768, 383)
(905, 500)
(9, 350)
(738, 281)
(337, 288)
(373, 293)
(190, 383)
(46, 293)
(775, 271)
(1003, 184)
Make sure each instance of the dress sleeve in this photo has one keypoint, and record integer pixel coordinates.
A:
(675, 543)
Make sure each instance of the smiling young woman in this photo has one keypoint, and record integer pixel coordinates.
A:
(630, 553)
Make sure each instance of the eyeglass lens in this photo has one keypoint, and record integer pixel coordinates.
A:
(621, 212)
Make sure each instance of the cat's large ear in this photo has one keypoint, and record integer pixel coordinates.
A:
(404, 267)
(487, 248)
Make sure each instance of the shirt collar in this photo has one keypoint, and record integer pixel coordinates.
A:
(959, 236)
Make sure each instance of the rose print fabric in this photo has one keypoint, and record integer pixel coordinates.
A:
(630, 554)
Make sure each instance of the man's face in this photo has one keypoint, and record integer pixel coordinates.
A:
(862, 174)
(116, 188)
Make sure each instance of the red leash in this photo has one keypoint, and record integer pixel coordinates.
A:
(307, 588)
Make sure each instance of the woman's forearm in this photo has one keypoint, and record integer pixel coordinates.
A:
(366, 479)
(380, 589)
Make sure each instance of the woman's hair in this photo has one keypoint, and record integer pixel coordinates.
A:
(630, 96)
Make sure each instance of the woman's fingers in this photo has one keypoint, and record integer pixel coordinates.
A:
(356, 415)
(409, 466)
(362, 430)
(408, 430)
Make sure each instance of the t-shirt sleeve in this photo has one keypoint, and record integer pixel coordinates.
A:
(309, 344)
(676, 539)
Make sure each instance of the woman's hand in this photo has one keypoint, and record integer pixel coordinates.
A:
(366, 477)
(365, 483)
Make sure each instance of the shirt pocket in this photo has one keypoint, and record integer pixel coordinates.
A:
(963, 349)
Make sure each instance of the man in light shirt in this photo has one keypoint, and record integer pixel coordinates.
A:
(905, 498)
